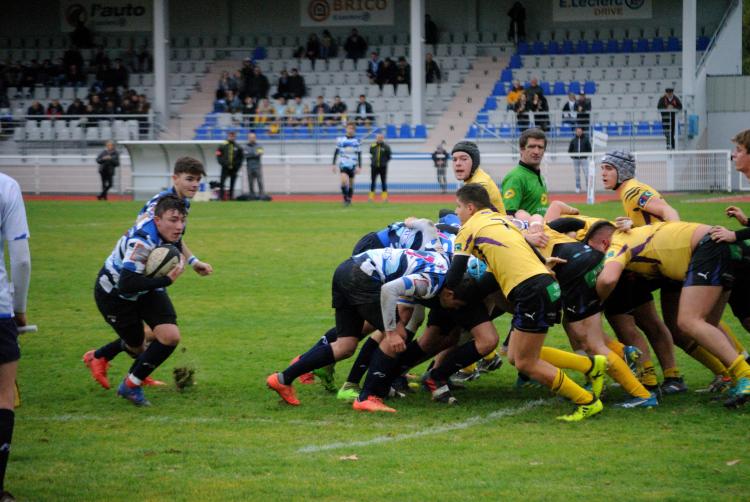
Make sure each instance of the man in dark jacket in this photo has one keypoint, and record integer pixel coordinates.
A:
(230, 157)
(669, 105)
(432, 70)
(363, 112)
(380, 154)
(297, 84)
(355, 46)
(258, 86)
(578, 148)
(403, 73)
(253, 154)
(108, 161)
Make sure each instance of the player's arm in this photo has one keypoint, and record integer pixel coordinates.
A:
(202, 268)
(557, 209)
(132, 280)
(660, 207)
(335, 156)
(409, 286)
(566, 225)
(359, 160)
(15, 229)
(608, 278)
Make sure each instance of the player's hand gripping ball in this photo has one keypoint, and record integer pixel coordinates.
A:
(162, 260)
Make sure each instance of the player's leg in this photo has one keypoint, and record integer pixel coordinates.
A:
(344, 177)
(9, 356)
(351, 388)
(350, 192)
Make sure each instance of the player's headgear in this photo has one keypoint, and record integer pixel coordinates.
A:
(472, 149)
(623, 162)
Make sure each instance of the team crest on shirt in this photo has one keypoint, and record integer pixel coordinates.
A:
(543, 198)
(644, 198)
(610, 254)
(509, 193)
(458, 246)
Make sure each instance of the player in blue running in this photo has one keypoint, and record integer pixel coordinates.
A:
(367, 288)
(127, 298)
(349, 155)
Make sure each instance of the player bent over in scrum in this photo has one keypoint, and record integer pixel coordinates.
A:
(127, 298)
(528, 284)
(363, 291)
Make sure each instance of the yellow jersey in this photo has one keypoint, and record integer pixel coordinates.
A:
(634, 196)
(653, 251)
(555, 238)
(482, 178)
(493, 239)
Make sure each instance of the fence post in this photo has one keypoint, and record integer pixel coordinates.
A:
(36, 176)
(728, 157)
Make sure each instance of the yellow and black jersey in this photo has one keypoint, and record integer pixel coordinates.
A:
(482, 178)
(634, 196)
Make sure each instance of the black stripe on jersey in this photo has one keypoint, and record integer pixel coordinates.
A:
(632, 192)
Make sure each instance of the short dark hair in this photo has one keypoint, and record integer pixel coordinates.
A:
(170, 203)
(743, 138)
(596, 227)
(189, 165)
(532, 133)
(474, 193)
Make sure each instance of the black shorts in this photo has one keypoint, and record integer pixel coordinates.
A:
(466, 317)
(577, 279)
(739, 299)
(710, 265)
(367, 242)
(351, 286)
(631, 291)
(349, 171)
(536, 304)
(9, 349)
(351, 318)
(127, 317)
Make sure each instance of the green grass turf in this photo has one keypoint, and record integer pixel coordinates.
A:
(229, 438)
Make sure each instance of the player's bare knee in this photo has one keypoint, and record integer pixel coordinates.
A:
(167, 334)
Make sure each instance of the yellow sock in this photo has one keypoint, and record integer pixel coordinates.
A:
(565, 387)
(736, 341)
(707, 359)
(372, 195)
(470, 368)
(384, 195)
(739, 368)
(648, 375)
(671, 373)
(568, 360)
(618, 369)
(489, 357)
(617, 347)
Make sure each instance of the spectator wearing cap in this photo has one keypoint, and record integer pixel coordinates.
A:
(669, 105)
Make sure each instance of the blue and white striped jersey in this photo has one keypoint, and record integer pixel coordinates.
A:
(13, 227)
(388, 264)
(348, 151)
(147, 211)
(421, 235)
(130, 253)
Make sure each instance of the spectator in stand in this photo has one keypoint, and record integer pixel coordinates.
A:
(76, 108)
(109, 94)
(533, 88)
(541, 111)
(120, 75)
(328, 48)
(264, 112)
(669, 105)
(440, 158)
(279, 109)
(248, 111)
(387, 74)
(55, 109)
(97, 107)
(110, 108)
(145, 61)
(143, 107)
(569, 111)
(297, 87)
(514, 94)
(355, 46)
(373, 67)
(432, 70)
(403, 74)
(127, 106)
(282, 86)
(579, 145)
(226, 83)
(130, 59)
(522, 112)
(36, 109)
(234, 105)
(73, 57)
(29, 74)
(247, 73)
(363, 114)
(295, 111)
(338, 110)
(259, 85)
(100, 60)
(430, 31)
(108, 161)
(322, 111)
(312, 49)
(81, 36)
(517, 27)
(583, 112)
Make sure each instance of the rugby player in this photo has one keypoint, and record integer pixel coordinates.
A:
(349, 155)
(466, 168)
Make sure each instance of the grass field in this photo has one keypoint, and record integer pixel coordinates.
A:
(229, 438)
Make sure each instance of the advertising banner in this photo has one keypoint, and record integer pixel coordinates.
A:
(346, 12)
(600, 10)
(107, 15)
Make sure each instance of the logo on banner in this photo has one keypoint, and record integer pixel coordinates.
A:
(319, 10)
(634, 4)
(76, 13)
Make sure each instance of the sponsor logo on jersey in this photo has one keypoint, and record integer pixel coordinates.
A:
(509, 193)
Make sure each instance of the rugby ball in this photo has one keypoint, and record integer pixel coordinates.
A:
(162, 260)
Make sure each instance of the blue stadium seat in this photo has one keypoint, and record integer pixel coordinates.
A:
(218, 133)
(627, 129)
(362, 130)
(390, 131)
(582, 47)
(567, 47)
(515, 62)
(472, 132)
(487, 131)
(702, 43)
(627, 45)
(499, 89)
(613, 46)
(574, 87)
(259, 53)
(482, 117)
(599, 127)
(545, 87)
(420, 131)
(589, 87)
(202, 133)
(656, 128)
(657, 44)
(504, 130)
(597, 47)
(523, 48)
(553, 47)
(490, 104)
(211, 119)
(613, 129)
(673, 44)
(405, 131)
(538, 47)
(304, 133)
(558, 88)
(641, 45)
(644, 129)
(506, 75)
(565, 131)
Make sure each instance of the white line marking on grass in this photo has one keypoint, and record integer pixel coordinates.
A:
(465, 424)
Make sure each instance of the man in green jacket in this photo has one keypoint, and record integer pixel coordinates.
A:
(524, 187)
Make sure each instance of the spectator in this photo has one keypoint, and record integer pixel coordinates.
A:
(226, 83)
(130, 59)
(73, 57)
(297, 87)
(279, 109)
(514, 93)
(111, 108)
(322, 111)
(234, 105)
(403, 74)
(312, 49)
(295, 112)
(432, 70)
(387, 74)
(373, 67)
(145, 61)
(97, 107)
(669, 105)
(338, 110)
(100, 60)
(55, 109)
(253, 153)
(282, 86)
(76, 108)
(580, 144)
(522, 112)
(127, 106)
(108, 161)
(517, 27)
(264, 112)
(35, 110)
(430, 31)
(355, 46)
(143, 107)
(440, 158)
(259, 85)
(230, 156)
(533, 88)
(583, 111)
(81, 36)
(247, 73)
(363, 114)
(541, 111)
(569, 111)
(74, 77)
(328, 47)
(120, 75)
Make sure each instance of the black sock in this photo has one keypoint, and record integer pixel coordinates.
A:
(152, 357)
(412, 356)
(317, 357)
(359, 368)
(7, 419)
(376, 381)
(110, 350)
(344, 191)
(459, 358)
(331, 335)
(351, 190)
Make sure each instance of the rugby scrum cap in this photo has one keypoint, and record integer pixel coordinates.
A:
(472, 149)
(623, 162)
